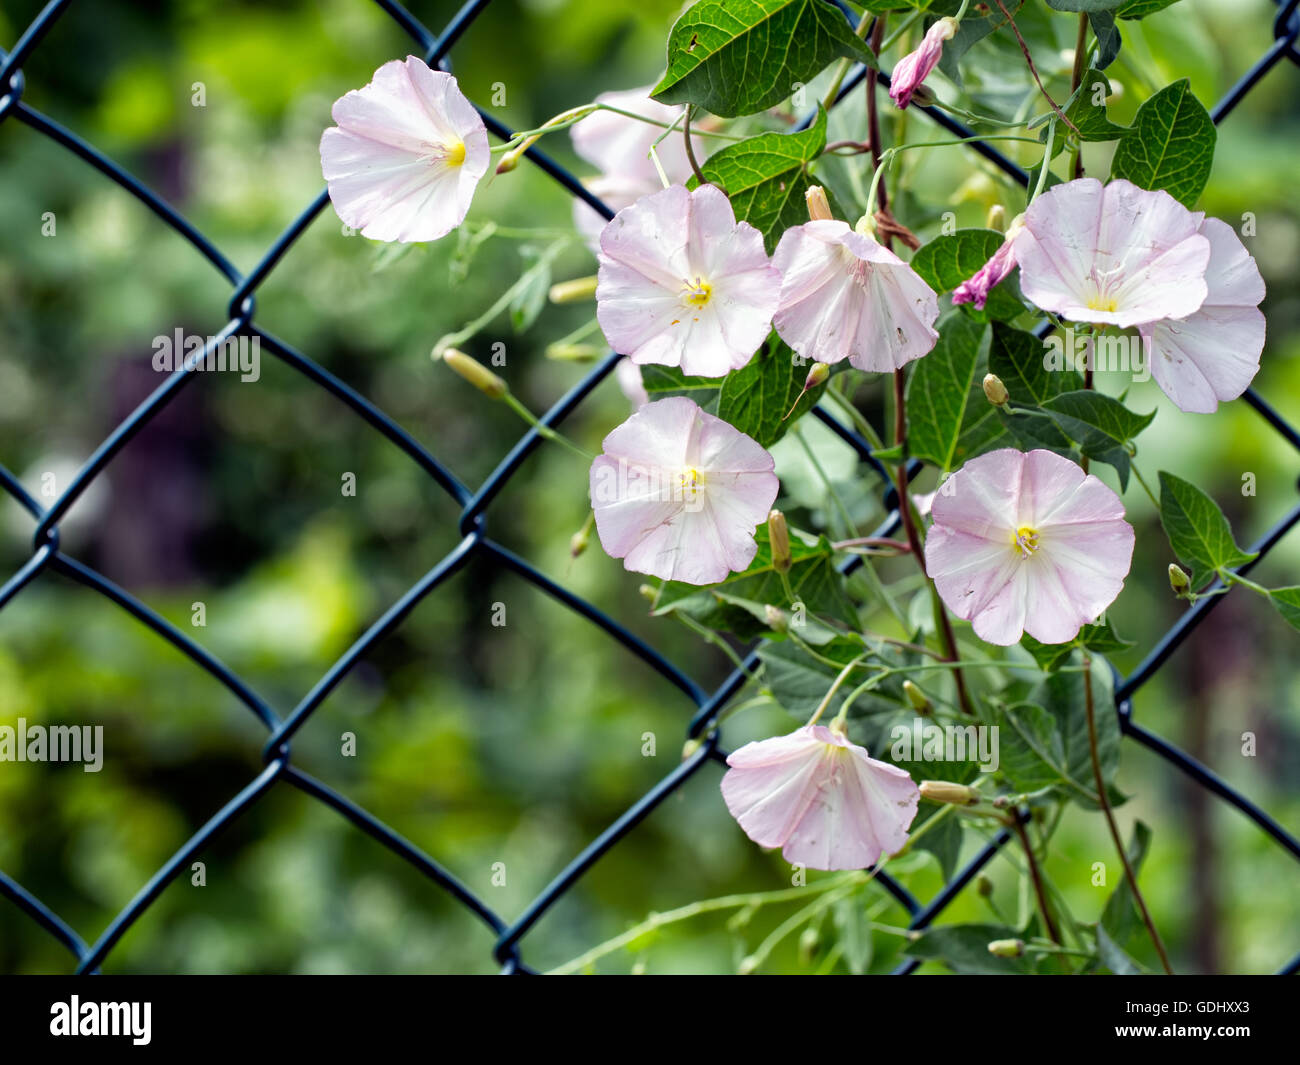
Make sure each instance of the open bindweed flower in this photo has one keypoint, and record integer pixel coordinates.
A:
(406, 156)
(845, 296)
(1112, 254)
(619, 147)
(976, 289)
(682, 283)
(819, 798)
(917, 65)
(678, 493)
(630, 383)
(1027, 542)
(1212, 354)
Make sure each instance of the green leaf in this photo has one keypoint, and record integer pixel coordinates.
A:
(1169, 146)
(528, 294)
(815, 581)
(739, 57)
(1084, 5)
(939, 387)
(757, 397)
(799, 682)
(944, 842)
(765, 177)
(1089, 116)
(1120, 917)
(970, 32)
(1101, 426)
(854, 928)
(964, 948)
(1114, 957)
(1044, 737)
(947, 261)
(1142, 8)
(1018, 358)
(1287, 602)
(1100, 638)
(809, 629)
(1108, 37)
(1198, 532)
(661, 382)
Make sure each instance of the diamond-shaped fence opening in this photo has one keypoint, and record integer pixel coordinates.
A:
(475, 504)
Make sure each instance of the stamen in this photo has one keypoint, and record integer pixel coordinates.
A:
(698, 293)
(1025, 540)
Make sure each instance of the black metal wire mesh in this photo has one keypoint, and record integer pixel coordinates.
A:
(46, 553)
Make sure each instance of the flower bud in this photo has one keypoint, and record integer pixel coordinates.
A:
(578, 542)
(919, 700)
(997, 218)
(580, 288)
(1178, 579)
(947, 791)
(747, 965)
(1007, 948)
(808, 943)
(573, 352)
(778, 537)
(649, 592)
(816, 376)
(777, 619)
(923, 96)
(995, 391)
(690, 747)
(475, 373)
(819, 207)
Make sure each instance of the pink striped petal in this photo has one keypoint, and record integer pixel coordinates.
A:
(820, 798)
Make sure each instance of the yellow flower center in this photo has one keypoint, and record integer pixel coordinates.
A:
(697, 294)
(1025, 540)
(692, 478)
(1103, 303)
(451, 153)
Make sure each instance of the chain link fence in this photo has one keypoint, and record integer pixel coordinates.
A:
(475, 504)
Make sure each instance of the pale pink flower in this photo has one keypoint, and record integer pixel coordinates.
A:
(682, 283)
(631, 383)
(619, 147)
(1112, 254)
(819, 798)
(678, 493)
(976, 289)
(916, 66)
(1027, 543)
(845, 296)
(407, 154)
(1212, 354)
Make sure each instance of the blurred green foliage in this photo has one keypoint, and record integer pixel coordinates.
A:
(486, 744)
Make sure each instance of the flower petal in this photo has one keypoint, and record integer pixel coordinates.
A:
(406, 156)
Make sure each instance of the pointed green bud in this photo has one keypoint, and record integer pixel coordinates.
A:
(475, 373)
(947, 791)
(816, 376)
(575, 291)
(1178, 580)
(919, 700)
(778, 537)
(995, 391)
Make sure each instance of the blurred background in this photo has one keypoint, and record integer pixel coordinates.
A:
(486, 743)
